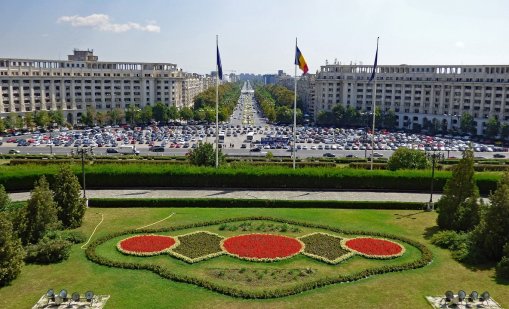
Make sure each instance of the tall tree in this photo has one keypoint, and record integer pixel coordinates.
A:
(2, 125)
(493, 231)
(467, 125)
(458, 208)
(146, 114)
(492, 127)
(504, 131)
(20, 122)
(10, 121)
(29, 120)
(339, 114)
(160, 112)
(133, 114)
(173, 113)
(5, 200)
(11, 252)
(41, 119)
(41, 213)
(186, 113)
(100, 118)
(389, 120)
(57, 117)
(67, 194)
(325, 118)
(115, 115)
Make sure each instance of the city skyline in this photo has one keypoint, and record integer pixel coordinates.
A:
(259, 37)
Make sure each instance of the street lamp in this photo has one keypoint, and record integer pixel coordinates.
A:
(434, 156)
(83, 152)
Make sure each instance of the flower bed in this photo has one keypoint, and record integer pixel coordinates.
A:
(197, 246)
(378, 248)
(146, 245)
(325, 247)
(262, 247)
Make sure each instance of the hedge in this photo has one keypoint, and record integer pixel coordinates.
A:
(272, 177)
(247, 203)
(425, 259)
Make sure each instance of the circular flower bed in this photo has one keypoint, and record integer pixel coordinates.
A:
(262, 247)
(374, 247)
(146, 244)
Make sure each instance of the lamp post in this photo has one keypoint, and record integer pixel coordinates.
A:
(82, 151)
(433, 157)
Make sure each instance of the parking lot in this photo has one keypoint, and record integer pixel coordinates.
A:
(246, 133)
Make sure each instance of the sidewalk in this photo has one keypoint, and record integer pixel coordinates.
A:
(252, 194)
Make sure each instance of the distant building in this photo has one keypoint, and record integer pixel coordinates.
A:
(419, 93)
(81, 81)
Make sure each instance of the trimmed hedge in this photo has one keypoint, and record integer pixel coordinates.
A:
(179, 176)
(425, 259)
(246, 203)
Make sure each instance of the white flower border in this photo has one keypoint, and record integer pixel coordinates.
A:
(119, 247)
(324, 259)
(374, 256)
(268, 260)
(198, 259)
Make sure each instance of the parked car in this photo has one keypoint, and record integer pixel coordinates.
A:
(13, 151)
(255, 150)
(498, 155)
(157, 149)
(329, 155)
(111, 150)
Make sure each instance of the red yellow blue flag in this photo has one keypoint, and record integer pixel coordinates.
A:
(300, 61)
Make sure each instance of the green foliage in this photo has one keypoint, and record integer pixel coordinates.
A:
(11, 252)
(2, 125)
(493, 232)
(173, 112)
(41, 213)
(404, 158)
(229, 94)
(115, 115)
(5, 201)
(186, 113)
(205, 155)
(72, 236)
(467, 125)
(160, 112)
(146, 114)
(276, 103)
(492, 127)
(56, 116)
(458, 243)
(459, 205)
(503, 268)
(48, 251)
(67, 194)
(42, 119)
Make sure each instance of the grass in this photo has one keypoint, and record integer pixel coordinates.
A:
(395, 290)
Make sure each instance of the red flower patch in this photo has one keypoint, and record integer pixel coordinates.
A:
(374, 247)
(146, 244)
(264, 247)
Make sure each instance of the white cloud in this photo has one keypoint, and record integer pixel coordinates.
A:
(102, 22)
(460, 44)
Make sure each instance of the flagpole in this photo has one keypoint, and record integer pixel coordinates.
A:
(374, 109)
(217, 105)
(294, 110)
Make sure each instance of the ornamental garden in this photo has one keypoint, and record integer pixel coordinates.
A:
(299, 257)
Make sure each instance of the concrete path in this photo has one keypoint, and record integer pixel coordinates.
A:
(251, 194)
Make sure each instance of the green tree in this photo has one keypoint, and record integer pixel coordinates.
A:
(133, 114)
(200, 114)
(205, 155)
(504, 131)
(352, 117)
(41, 213)
(186, 113)
(89, 118)
(2, 125)
(115, 115)
(100, 118)
(325, 118)
(29, 120)
(5, 201)
(492, 127)
(146, 114)
(57, 117)
(67, 195)
(404, 158)
(160, 112)
(339, 114)
(173, 112)
(20, 122)
(493, 231)
(11, 252)
(389, 120)
(467, 125)
(458, 208)
(41, 119)
(10, 121)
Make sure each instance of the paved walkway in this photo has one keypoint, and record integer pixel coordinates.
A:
(252, 194)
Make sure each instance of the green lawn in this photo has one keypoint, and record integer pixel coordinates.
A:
(143, 289)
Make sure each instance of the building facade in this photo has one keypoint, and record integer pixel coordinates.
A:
(81, 81)
(418, 93)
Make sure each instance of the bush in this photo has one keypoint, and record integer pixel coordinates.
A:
(407, 159)
(48, 251)
(503, 268)
(74, 237)
(11, 252)
(205, 155)
(458, 243)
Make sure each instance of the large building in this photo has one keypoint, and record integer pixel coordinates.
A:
(81, 81)
(419, 93)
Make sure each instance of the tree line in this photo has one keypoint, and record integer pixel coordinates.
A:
(38, 231)
(30, 120)
(341, 116)
(276, 103)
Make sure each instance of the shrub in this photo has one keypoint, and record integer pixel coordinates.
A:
(503, 268)
(67, 194)
(48, 251)
(205, 155)
(74, 237)
(11, 252)
(408, 159)
(5, 201)
(458, 243)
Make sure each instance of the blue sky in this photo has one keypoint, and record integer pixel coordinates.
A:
(259, 36)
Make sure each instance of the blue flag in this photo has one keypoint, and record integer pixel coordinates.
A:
(374, 65)
(219, 67)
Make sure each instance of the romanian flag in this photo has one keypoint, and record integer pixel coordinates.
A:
(300, 61)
